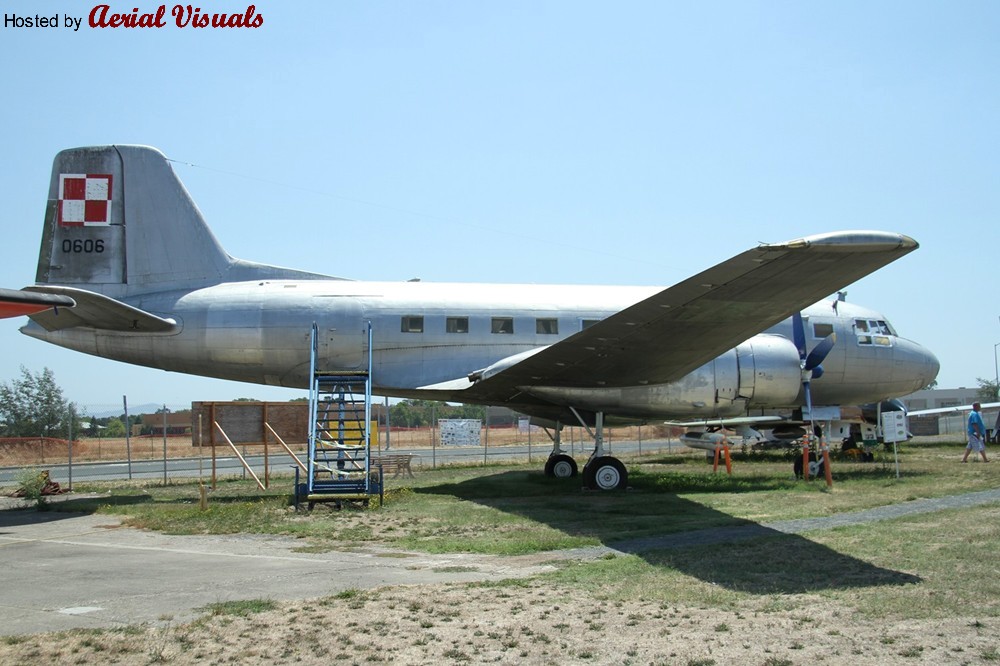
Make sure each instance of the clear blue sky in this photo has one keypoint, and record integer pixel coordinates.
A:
(547, 142)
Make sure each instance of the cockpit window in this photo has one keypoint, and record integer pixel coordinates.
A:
(821, 331)
(873, 332)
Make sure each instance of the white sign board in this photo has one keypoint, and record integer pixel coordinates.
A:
(460, 432)
(894, 426)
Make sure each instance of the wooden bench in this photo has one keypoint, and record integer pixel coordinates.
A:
(396, 463)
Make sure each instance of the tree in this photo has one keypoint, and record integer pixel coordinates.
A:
(989, 391)
(417, 413)
(33, 406)
(115, 428)
(407, 413)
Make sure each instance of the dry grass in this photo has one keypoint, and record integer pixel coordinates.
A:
(150, 447)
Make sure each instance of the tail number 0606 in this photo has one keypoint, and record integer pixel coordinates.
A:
(83, 246)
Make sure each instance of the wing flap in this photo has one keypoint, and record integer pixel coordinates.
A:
(679, 329)
(94, 310)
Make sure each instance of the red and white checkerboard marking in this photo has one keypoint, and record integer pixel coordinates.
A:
(84, 199)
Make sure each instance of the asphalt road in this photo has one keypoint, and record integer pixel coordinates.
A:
(229, 465)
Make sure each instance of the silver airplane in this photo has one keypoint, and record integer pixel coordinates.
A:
(129, 270)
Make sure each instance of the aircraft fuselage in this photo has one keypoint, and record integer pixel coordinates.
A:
(425, 333)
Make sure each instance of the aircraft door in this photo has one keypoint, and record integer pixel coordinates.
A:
(343, 335)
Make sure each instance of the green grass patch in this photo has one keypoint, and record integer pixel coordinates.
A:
(243, 608)
(934, 565)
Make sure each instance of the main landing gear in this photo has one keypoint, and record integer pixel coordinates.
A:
(602, 472)
(814, 463)
(560, 465)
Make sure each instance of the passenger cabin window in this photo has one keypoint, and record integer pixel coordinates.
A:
(456, 325)
(504, 325)
(412, 324)
(587, 323)
(822, 330)
(873, 332)
(547, 326)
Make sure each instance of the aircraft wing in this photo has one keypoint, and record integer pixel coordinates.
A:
(679, 329)
(17, 303)
(95, 311)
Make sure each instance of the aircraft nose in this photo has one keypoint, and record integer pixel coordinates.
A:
(915, 362)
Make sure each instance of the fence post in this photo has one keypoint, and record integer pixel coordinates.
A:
(69, 485)
(164, 445)
(128, 438)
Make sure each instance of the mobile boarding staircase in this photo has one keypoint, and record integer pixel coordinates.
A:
(340, 408)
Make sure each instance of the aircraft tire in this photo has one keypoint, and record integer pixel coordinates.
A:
(815, 467)
(605, 473)
(560, 466)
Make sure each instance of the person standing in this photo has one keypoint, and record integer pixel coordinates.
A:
(977, 434)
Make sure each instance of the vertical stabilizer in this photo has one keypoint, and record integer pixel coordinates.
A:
(119, 222)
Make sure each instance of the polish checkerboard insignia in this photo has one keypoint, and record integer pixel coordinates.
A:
(84, 200)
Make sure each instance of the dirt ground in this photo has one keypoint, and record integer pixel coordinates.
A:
(524, 624)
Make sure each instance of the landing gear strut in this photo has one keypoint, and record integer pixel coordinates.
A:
(559, 464)
(602, 472)
(814, 464)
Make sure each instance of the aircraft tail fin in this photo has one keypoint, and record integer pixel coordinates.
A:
(119, 222)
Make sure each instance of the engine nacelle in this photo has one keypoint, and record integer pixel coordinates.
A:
(770, 372)
(763, 372)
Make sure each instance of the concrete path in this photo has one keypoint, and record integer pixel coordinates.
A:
(62, 571)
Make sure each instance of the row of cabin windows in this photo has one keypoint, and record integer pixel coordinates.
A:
(498, 325)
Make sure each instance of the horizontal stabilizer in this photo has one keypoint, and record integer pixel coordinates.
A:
(17, 303)
(97, 311)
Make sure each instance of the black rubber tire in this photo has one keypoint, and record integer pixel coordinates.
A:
(605, 473)
(561, 466)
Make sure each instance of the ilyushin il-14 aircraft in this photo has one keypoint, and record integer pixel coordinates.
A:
(129, 270)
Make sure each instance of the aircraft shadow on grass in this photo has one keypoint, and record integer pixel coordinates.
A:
(696, 540)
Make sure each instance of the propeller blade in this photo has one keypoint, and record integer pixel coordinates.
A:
(799, 334)
(819, 352)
